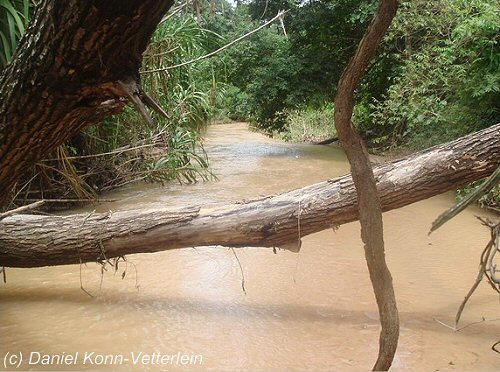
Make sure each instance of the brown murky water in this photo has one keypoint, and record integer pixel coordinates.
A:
(311, 311)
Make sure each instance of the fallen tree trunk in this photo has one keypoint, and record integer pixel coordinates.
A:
(33, 241)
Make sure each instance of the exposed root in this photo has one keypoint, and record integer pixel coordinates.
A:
(132, 90)
(455, 329)
(242, 273)
(487, 267)
(81, 281)
(104, 262)
(494, 347)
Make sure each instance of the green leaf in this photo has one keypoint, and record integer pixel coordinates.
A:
(7, 54)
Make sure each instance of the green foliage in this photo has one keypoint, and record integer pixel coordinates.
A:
(14, 18)
(265, 9)
(183, 160)
(259, 71)
(273, 72)
(266, 72)
(436, 77)
(491, 199)
(235, 105)
(186, 93)
(324, 36)
(450, 79)
(183, 93)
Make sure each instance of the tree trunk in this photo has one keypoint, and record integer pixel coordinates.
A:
(32, 241)
(66, 73)
(369, 207)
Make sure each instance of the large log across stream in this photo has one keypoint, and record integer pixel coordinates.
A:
(274, 221)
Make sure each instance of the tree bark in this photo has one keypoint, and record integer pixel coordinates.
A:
(66, 73)
(33, 241)
(370, 210)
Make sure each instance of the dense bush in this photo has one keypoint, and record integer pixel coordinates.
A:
(260, 73)
(285, 67)
(449, 84)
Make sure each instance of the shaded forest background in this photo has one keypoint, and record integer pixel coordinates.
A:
(436, 78)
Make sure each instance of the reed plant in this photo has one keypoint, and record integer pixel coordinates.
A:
(14, 18)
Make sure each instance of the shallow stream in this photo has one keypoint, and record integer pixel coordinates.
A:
(309, 311)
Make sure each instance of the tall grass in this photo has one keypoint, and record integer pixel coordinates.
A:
(309, 124)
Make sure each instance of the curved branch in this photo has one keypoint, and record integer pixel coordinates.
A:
(370, 210)
(211, 54)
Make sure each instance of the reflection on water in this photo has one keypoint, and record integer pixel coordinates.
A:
(311, 311)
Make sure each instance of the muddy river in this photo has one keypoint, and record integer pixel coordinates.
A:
(185, 310)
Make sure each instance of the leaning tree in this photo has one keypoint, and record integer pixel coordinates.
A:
(77, 64)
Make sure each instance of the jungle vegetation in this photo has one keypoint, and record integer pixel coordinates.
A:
(436, 77)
